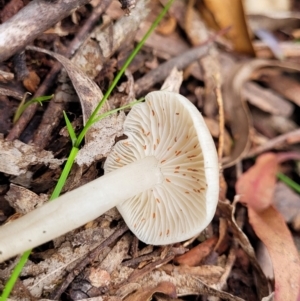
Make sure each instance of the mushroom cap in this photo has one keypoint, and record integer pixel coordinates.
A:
(169, 127)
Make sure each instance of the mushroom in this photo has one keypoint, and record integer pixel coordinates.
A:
(164, 180)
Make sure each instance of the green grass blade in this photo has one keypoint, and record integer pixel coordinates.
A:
(117, 110)
(14, 276)
(70, 129)
(63, 177)
(289, 182)
(24, 105)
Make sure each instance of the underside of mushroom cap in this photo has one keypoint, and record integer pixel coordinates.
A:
(170, 128)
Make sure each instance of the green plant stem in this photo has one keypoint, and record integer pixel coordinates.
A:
(14, 276)
(24, 105)
(18, 268)
(288, 181)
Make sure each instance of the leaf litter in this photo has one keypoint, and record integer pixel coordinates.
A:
(102, 261)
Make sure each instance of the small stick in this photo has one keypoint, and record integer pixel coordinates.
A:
(30, 22)
(55, 295)
(221, 116)
(160, 73)
(290, 138)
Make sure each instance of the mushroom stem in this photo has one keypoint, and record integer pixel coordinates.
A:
(78, 207)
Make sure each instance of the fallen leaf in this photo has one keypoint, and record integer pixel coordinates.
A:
(31, 82)
(271, 228)
(231, 14)
(256, 188)
(24, 200)
(198, 253)
(167, 26)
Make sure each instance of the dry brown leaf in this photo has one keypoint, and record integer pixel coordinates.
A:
(271, 228)
(31, 82)
(198, 253)
(264, 260)
(24, 200)
(16, 157)
(256, 188)
(230, 13)
(99, 278)
(167, 26)
(146, 294)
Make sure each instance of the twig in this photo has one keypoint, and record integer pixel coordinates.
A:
(31, 21)
(221, 116)
(290, 138)
(160, 73)
(55, 295)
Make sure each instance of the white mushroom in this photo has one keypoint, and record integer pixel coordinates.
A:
(164, 180)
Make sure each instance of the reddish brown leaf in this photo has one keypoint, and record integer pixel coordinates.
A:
(256, 186)
(198, 253)
(271, 228)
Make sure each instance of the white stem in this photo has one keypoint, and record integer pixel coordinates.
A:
(77, 207)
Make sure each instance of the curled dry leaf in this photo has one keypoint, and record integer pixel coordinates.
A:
(232, 16)
(256, 188)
